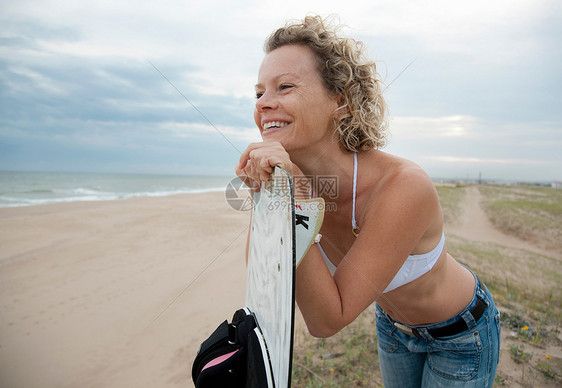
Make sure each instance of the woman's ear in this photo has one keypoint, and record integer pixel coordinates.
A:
(342, 110)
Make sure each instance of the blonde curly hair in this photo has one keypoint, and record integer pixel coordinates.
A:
(361, 123)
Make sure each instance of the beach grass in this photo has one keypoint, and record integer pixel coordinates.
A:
(451, 198)
(347, 359)
(528, 213)
(526, 287)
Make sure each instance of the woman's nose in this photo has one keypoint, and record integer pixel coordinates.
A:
(266, 101)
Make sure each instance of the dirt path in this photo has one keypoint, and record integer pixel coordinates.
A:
(474, 225)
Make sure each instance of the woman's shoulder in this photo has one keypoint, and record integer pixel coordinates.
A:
(404, 192)
(399, 185)
(396, 173)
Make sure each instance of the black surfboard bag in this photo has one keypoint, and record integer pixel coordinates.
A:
(231, 356)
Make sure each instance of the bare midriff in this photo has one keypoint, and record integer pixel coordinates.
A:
(434, 297)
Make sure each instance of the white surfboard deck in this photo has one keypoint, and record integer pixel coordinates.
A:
(282, 231)
(270, 283)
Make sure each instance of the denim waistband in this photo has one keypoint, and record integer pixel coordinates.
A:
(480, 293)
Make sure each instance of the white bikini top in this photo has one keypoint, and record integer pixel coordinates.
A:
(414, 266)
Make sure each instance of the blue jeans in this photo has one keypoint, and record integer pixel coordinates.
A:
(467, 359)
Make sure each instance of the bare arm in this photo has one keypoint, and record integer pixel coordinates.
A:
(398, 219)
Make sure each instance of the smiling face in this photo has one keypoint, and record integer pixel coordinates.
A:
(293, 106)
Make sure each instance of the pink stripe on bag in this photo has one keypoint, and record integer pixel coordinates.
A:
(218, 360)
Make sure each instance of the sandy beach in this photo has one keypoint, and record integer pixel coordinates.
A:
(116, 293)
(122, 293)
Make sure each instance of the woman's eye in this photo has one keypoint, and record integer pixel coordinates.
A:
(285, 86)
(258, 95)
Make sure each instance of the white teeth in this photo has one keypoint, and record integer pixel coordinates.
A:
(272, 124)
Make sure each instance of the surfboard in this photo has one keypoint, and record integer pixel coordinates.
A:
(270, 282)
(282, 231)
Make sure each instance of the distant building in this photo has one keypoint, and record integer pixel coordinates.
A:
(557, 185)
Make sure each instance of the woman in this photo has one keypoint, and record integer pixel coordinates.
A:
(320, 112)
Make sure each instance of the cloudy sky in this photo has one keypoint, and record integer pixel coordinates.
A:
(81, 89)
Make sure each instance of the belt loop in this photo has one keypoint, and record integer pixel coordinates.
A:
(481, 294)
(469, 319)
(423, 333)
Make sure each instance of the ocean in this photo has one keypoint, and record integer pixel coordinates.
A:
(36, 188)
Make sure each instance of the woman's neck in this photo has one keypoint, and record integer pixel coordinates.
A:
(330, 167)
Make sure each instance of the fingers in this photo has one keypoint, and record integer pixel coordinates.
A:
(245, 156)
(258, 160)
(248, 176)
(246, 171)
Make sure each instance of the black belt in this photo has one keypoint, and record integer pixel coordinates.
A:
(446, 331)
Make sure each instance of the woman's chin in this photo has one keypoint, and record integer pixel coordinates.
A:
(276, 134)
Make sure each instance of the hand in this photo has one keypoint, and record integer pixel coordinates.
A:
(258, 160)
